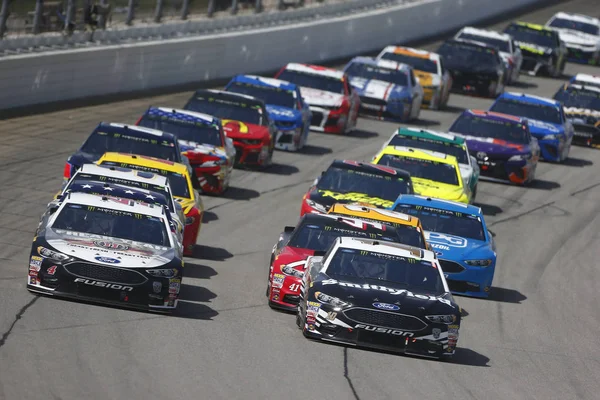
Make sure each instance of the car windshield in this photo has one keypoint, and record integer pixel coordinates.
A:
(100, 187)
(417, 142)
(421, 168)
(465, 56)
(319, 236)
(544, 38)
(575, 26)
(342, 180)
(419, 63)
(444, 221)
(227, 109)
(101, 142)
(270, 95)
(580, 98)
(510, 131)
(535, 111)
(365, 71)
(112, 223)
(315, 81)
(501, 44)
(414, 274)
(178, 182)
(187, 130)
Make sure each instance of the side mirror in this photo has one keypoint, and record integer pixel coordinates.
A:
(289, 229)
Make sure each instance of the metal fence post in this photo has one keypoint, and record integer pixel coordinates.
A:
(185, 9)
(158, 11)
(211, 8)
(130, 13)
(234, 7)
(37, 16)
(102, 16)
(69, 16)
(3, 18)
(280, 5)
(258, 7)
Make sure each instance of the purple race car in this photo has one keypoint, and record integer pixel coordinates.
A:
(504, 147)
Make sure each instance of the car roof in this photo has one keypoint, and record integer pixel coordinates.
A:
(387, 64)
(535, 27)
(530, 98)
(439, 203)
(396, 249)
(120, 190)
(183, 115)
(366, 211)
(430, 134)
(420, 153)
(145, 161)
(134, 129)
(228, 96)
(587, 78)
(471, 43)
(264, 81)
(114, 204)
(123, 173)
(496, 116)
(485, 33)
(577, 17)
(316, 70)
(371, 168)
(410, 51)
(581, 87)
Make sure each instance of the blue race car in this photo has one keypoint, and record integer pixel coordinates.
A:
(388, 90)
(285, 105)
(547, 122)
(458, 235)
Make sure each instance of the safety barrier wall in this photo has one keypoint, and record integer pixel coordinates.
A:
(30, 79)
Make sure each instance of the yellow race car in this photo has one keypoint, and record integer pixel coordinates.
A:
(181, 183)
(435, 79)
(406, 225)
(433, 174)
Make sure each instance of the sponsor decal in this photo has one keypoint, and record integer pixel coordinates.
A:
(91, 282)
(313, 307)
(436, 333)
(33, 280)
(174, 287)
(35, 263)
(391, 291)
(110, 245)
(481, 155)
(278, 280)
(331, 315)
(386, 306)
(157, 286)
(359, 197)
(51, 270)
(447, 240)
(107, 260)
(276, 297)
(439, 246)
(377, 329)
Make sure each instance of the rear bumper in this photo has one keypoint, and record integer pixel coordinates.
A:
(517, 172)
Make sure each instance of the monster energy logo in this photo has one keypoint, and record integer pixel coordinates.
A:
(412, 260)
(328, 228)
(459, 214)
(419, 207)
(91, 208)
(373, 235)
(117, 135)
(144, 185)
(364, 252)
(138, 216)
(103, 178)
(154, 141)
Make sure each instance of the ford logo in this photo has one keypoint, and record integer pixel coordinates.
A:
(107, 260)
(386, 306)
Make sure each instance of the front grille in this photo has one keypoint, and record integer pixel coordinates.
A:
(317, 118)
(373, 101)
(462, 286)
(552, 150)
(286, 137)
(291, 299)
(528, 64)
(451, 267)
(106, 274)
(385, 319)
(586, 130)
(381, 340)
(252, 158)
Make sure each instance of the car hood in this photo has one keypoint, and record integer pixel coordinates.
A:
(533, 48)
(329, 197)
(292, 256)
(191, 148)
(576, 37)
(366, 292)
(478, 144)
(316, 97)
(429, 188)
(243, 130)
(283, 114)
(456, 248)
(376, 89)
(541, 128)
(108, 251)
(428, 78)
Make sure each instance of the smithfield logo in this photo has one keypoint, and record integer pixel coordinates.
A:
(386, 306)
(107, 260)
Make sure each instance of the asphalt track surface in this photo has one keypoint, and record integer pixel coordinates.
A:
(536, 338)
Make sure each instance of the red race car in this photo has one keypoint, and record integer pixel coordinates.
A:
(333, 102)
(312, 236)
(245, 121)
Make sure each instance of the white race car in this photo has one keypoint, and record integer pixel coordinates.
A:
(581, 35)
(509, 51)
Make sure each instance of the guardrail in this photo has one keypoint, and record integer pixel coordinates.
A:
(55, 76)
